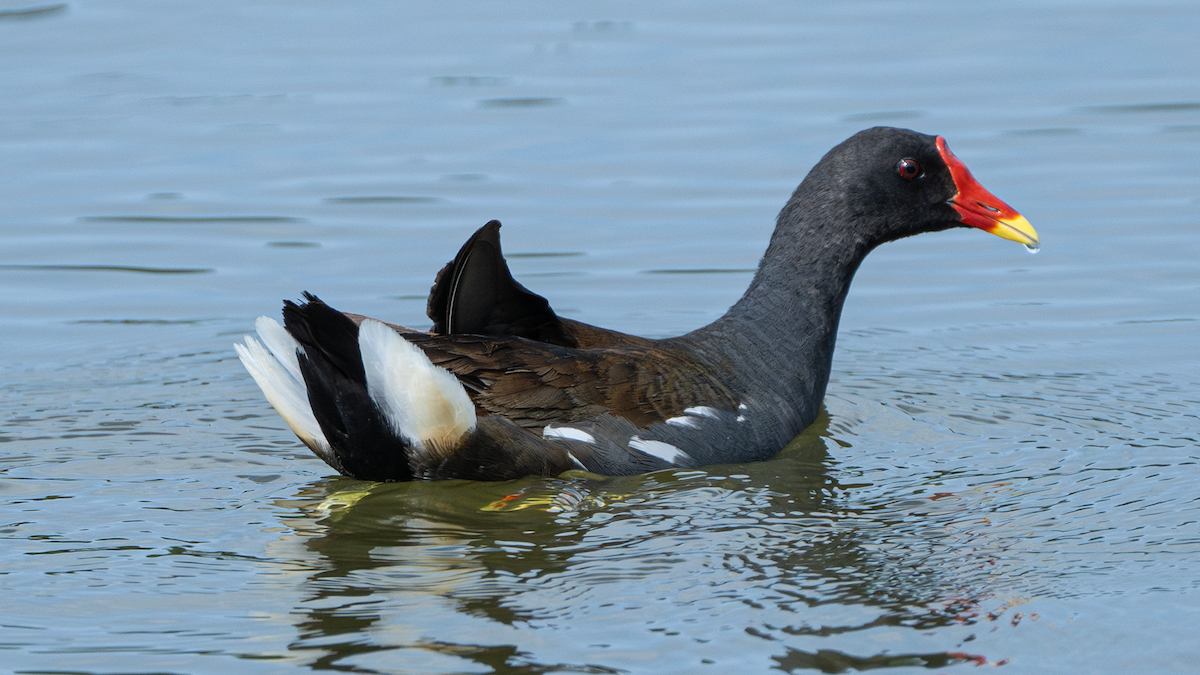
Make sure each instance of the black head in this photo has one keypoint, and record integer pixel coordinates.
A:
(886, 183)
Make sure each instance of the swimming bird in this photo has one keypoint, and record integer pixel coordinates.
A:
(502, 387)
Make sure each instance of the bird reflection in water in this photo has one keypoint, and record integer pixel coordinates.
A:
(637, 561)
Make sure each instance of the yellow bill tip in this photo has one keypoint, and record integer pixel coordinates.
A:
(1017, 229)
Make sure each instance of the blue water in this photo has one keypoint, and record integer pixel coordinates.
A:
(1006, 473)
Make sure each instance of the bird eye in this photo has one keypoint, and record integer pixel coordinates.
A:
(909, 168)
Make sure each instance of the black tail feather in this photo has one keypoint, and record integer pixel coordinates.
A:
(324, 330)
(363, 443)
(476, 294)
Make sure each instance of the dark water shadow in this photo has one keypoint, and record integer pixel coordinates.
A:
(522, 102)
(831, 661)
(1124, 109)
(547, 254)
(110, 268)
(34, 12)
(702, 270)
(185, 220)
(382, 199)
(293, 244)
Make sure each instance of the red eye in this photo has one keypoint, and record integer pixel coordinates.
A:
(909, 168)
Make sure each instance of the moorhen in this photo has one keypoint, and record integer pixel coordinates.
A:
(502, 387)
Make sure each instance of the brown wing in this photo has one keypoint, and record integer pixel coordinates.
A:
(535, 383)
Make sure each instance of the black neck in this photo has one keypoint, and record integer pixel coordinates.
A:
(776, 343)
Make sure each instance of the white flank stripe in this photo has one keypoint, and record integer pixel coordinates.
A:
(422, 402)
(663, 451)
(682, 421)
(568, 432)
(702, 411)
(577, 462)
(283, 387)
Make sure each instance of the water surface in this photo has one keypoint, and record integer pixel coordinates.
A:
(1006, 472)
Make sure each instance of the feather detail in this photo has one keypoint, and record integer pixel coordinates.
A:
(422, 403)
(276, 371)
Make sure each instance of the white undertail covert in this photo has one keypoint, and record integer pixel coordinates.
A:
(423, 403)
